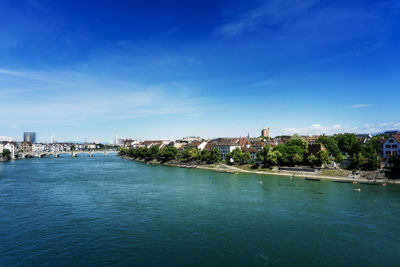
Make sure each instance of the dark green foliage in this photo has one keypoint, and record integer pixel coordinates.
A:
(292, 153)
(348, 143)
(370, 151)
(6, 154)
(356, 161)
(267, 157)
(395, 160)
(191, 154)
(168, 153)
(323, 157)
(238, 156)
(331, 145)
(312, 160)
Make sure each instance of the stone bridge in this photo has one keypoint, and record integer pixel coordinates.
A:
(57, 154)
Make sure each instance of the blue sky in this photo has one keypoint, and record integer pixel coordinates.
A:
(168, 69)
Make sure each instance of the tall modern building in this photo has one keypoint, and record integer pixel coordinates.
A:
(30, 137)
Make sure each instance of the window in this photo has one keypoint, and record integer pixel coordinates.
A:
(387, 146)
(391, 141)
(394, 146)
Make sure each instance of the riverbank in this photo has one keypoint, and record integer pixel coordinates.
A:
(221, 167)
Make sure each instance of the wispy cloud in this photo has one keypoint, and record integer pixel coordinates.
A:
(317, 129)
(360, 106)
(37, 76)
(269, 14)
(106, 100)
(381, 127)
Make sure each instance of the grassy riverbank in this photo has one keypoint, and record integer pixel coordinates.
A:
(335, 175)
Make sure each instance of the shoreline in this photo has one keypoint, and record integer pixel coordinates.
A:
(220, 167)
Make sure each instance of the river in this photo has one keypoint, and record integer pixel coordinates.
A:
(108, 211)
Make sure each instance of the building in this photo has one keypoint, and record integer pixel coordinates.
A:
(129, 143)
(11, 147)
(363, 138)
(391, 146)
(314, 148)
(26, 146)
(196, 144)
(150, 143)
(30, 137)
(311, 139)
(265, 132)
(191, 139)
(226, 146)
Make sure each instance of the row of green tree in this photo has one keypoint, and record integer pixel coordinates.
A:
(168, 153)
(6, 154)
(364, 156)
(293, 152)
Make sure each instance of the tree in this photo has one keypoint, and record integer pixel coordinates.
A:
(283, 157)
(153, 152)
(238, 156)
(215, 156)
(7, 153)
(267, 157)
(297, 159)
(370, 152)
(312, 160)
(73, 147)
(323, 157)
(205, 155)
(191, 154)
(356, 161)
(167, 153)
(348, 143)
(245, 157)
(331, 145)
(263, 154)
(395, 161)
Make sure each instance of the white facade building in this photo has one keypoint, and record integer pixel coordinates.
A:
(225, 148)
(11, 148)
(391, 146)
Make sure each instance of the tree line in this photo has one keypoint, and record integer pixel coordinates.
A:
(294, 152)
(169, 153)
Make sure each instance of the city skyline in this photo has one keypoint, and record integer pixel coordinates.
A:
(211, 68)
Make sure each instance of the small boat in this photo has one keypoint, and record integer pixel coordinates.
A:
(312, 179)
(342, 181)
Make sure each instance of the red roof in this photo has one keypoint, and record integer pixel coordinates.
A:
(396, 136)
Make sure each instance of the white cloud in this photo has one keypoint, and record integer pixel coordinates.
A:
(360, 106)
(271, 13)
(73, 98)
(318, 129)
